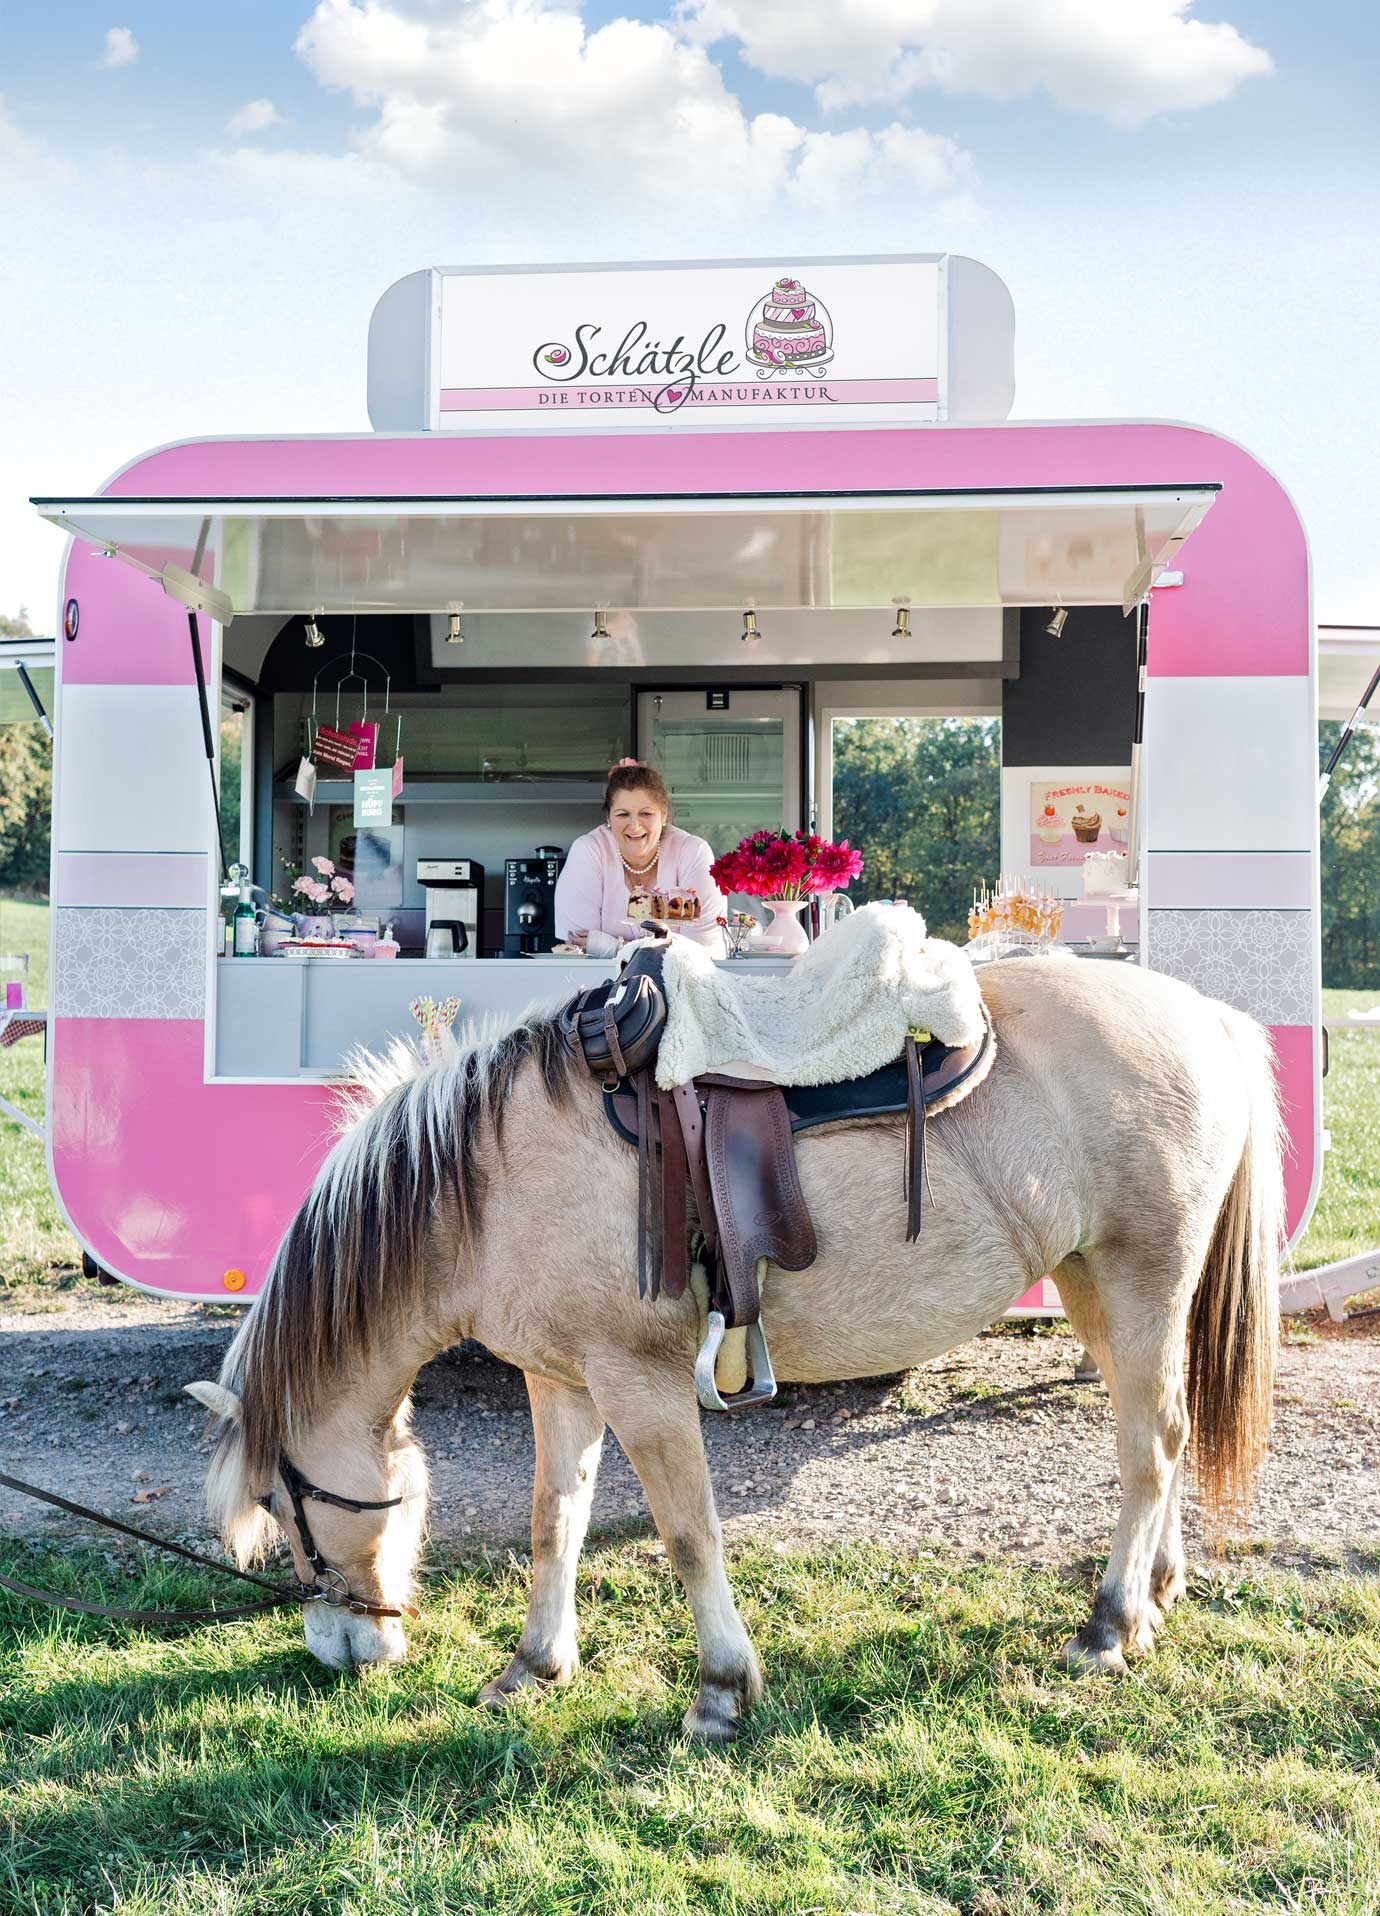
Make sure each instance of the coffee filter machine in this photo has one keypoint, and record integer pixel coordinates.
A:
(454, 890)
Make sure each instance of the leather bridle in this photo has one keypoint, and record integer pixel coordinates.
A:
(328, 1585)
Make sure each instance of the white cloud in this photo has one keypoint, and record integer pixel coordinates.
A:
(121, 48)
(1124, 60)
(519, 100)
(253, 117)
(17, 151)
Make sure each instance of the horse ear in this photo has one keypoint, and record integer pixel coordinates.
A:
(217, 1399)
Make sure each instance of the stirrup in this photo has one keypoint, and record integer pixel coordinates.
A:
(763, 1386)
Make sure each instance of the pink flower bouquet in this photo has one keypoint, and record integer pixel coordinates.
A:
(328, 891)
(786, 865)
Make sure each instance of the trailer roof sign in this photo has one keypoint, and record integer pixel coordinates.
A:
(910, 339)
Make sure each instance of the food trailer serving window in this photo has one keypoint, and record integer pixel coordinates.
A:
(842, 552)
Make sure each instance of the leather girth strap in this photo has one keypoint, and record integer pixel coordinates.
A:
(675, 1170)
(915, 1140)
(650, 1187)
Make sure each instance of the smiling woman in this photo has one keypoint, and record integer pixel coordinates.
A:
(615, 873)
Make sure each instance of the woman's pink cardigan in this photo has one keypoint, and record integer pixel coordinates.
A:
(592, 891)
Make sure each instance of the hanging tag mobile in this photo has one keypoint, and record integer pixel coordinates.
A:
(305, 784)
(397, 756)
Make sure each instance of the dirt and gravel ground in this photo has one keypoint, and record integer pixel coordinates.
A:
(991, 1450)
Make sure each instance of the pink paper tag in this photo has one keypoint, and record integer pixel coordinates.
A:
(367, 732)
(335, 749)
(397, 776)
(14, 994)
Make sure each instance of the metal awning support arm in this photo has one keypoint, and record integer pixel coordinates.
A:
(208, 738)
(34, 699)
(1344, 739)
(1137, 740)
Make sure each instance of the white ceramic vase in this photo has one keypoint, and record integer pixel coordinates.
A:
(785, 936)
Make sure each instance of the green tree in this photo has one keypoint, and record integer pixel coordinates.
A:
(26, 793)
(231, 754)
(921, 799)
(1350, 833)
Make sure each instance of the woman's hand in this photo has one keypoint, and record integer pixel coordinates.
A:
(580, 938)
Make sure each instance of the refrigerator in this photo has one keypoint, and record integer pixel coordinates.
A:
(730, 757)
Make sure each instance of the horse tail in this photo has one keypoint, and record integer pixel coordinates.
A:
(1233, 1328)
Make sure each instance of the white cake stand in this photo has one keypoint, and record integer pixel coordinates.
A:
(1110, 943)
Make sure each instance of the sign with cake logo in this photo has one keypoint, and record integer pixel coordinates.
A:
(714, 344)
(1071, 817)
(788, 332)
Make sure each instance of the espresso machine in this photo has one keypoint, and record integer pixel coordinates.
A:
(529, 901)
(454, 905)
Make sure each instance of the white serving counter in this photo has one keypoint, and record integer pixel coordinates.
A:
(300, 1017)
(278, 1018)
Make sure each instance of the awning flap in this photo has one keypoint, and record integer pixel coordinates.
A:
(1080, 546)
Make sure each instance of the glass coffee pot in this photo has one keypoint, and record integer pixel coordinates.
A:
(833, 906)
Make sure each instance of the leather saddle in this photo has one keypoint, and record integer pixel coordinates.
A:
(730, 1140)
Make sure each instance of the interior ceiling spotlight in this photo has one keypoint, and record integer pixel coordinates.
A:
(454, 636)
(315, 636)
(901, 629)
(750, 632)
(1057, 621)
(601, 624)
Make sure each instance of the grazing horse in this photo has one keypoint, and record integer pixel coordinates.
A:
(1128, 1141)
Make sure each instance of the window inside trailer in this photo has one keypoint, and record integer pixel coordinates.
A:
(922, 797)
(236, 777)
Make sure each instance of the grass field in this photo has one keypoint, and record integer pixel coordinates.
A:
(34, 1241)
(918, 1752)
(35, 1244)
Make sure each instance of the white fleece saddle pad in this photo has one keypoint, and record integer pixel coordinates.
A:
(842, 1010)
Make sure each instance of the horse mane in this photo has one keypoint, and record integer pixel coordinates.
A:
(353, 1264)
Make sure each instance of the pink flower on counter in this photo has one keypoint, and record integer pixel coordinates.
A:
(786, 865)
(324, 865)
(342, 888)
(834, 866)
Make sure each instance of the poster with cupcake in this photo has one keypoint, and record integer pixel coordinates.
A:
(1070, 817)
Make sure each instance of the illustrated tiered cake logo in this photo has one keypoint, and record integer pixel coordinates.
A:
(789, 332)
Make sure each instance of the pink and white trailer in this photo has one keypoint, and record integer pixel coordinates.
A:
(600, 515)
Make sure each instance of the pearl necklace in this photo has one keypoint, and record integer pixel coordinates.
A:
(640, 871)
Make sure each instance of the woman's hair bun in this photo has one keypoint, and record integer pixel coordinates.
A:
(629, 775)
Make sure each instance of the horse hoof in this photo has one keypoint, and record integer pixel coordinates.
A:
(522, 1675)
(720, 1710)
(1097, 1658)
(714, 1717)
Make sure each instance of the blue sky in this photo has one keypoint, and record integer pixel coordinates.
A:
(1182, 201)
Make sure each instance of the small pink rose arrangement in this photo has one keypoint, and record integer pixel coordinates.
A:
(329, 890)
(786, 865)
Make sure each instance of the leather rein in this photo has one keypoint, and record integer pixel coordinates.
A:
(328, 1584)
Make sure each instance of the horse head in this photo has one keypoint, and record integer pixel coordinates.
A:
(350, 1503)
